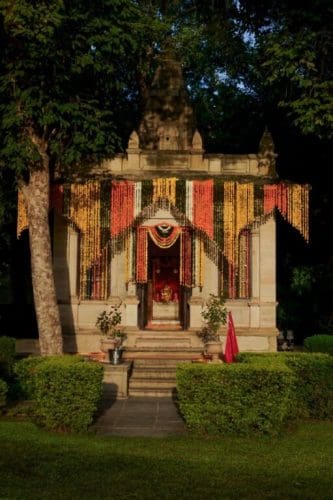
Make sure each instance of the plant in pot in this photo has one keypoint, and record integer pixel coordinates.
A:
(214, 315)
(113, 336)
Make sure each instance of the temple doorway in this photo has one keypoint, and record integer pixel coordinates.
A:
(164, 276)
(163, 284)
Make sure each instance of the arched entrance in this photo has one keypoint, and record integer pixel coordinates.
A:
(164, 275)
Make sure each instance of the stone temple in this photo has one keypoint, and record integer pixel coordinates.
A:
(159, 228)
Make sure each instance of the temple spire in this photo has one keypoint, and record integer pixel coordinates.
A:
(168, 119)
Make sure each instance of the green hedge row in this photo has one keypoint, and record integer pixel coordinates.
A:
(319, 343)
(261, 393)
(3, 392)
(65, 390)
(313, 388)
(235, 398)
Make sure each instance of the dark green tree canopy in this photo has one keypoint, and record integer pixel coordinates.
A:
(67, 68)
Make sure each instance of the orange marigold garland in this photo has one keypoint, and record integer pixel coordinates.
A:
(164, 242)
(142, 255)
(203, 206)
(122, 206)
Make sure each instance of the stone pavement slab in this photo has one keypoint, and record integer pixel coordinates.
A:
(145, 417)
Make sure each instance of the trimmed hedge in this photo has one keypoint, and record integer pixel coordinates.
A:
(313, 379)
(7, 356)
(25, 370)
(235, 398)
(65, 390)
(3, 392)
(261, 393)
(319, 343)
(314, 383)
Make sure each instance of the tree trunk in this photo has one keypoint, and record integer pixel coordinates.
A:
(36, 194)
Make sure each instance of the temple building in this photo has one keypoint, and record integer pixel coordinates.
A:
(158, 229)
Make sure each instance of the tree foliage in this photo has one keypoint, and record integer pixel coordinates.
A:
(67, 68)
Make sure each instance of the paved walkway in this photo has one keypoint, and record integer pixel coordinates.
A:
(149, 417)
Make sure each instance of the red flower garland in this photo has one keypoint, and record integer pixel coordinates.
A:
(203, 206)
(122, 206)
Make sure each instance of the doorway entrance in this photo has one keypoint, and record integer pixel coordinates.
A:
(164, 272)
(163, 284)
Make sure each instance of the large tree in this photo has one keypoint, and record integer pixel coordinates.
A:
(67, 67)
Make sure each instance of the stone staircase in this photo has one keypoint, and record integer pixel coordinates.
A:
(163, 344)
(153, 378)
(155, 357)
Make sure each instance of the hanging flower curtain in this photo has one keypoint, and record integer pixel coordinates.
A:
(202, 206)
(216, 211)
(122, 206)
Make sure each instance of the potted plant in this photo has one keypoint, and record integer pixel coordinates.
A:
(114, 336)
(215, 315)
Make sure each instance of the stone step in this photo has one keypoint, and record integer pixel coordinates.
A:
(175, 353)
(156, 372)
(156, 342)
(164, 334)
(159, 364)
(152, 383)
(145, 392)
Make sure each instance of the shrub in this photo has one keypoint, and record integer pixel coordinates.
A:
(313, 379)
(3, 392)
(319, 343)
(7, 356)
(25, 370)
(314, 383)
(67, 390)
(237, 398)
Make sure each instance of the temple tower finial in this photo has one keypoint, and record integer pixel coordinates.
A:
(168, 119)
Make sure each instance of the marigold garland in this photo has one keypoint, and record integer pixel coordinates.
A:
(165, 188)
(202, 204)
(166, 242)
(216, 213)
(142, 255)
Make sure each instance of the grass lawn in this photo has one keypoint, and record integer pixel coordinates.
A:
(38, 465)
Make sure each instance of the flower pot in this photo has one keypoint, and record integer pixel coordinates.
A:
(107, 345)
(214, 349)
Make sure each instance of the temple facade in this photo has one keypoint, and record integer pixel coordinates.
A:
(158, 229)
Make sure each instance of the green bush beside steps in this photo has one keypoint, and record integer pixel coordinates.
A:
(65, 390)
(261, 393)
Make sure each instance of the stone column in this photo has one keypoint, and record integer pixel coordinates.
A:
(268, 275)
(255, 279)
(196, 304)
(72, 260)
(131, 304)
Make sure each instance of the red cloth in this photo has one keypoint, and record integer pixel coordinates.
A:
(231, 345)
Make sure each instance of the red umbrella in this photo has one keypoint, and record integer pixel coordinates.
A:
(231, 345)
